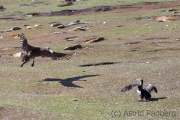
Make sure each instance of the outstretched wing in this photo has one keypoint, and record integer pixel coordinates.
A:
(24, 44)
(129, 87)
(150, 88)
(56, 55)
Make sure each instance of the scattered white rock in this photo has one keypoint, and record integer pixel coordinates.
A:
(7, 30)
(82, 28)
(37, 25)
(15, 28)
(57, 32)
(104, 22)
(148, 62)
(29, 15)
(29, 27)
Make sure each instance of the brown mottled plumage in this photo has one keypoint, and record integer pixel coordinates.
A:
(31, 52)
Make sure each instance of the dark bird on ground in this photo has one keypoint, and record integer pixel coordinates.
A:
(31, 52)
(144, 92)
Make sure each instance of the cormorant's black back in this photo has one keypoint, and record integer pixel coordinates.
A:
(145, 94)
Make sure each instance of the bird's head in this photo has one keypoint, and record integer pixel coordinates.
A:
(17, 55)
(140, 80)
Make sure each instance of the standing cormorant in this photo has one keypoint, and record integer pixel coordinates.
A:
(144, 92)
(31, 52)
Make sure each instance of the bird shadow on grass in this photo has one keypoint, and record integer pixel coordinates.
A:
(68, 82)
(153, 99)
(97, 64)
(156, 99)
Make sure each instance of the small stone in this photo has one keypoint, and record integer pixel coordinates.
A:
(29, 27)
(74, 99)
(37, 25)
(104, 22)
(2, 7)
(15, 28)
(74, 47)
(55, 24)
(61, 26)
(25, 25)
(148, 62)
(57, 32)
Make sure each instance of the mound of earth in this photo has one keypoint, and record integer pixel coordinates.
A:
(135, 7)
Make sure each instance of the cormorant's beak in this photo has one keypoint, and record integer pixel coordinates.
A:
(139, 79)
(17, 55)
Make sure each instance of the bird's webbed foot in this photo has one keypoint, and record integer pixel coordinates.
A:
(32, 64)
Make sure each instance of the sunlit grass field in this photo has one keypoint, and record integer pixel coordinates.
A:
(140, 48)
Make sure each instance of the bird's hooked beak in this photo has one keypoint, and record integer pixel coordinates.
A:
(139, 79)
(17, 55)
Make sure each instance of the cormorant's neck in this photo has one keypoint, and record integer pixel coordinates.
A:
(141, 83)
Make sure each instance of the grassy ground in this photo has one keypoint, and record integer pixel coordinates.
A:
(141, 46)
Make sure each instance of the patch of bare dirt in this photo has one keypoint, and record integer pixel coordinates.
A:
(77, 11)
(135, 7)
(162, 49)
(12, 18)
(10, 113)
(35, 3)
(131, 43)
(155, 38)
